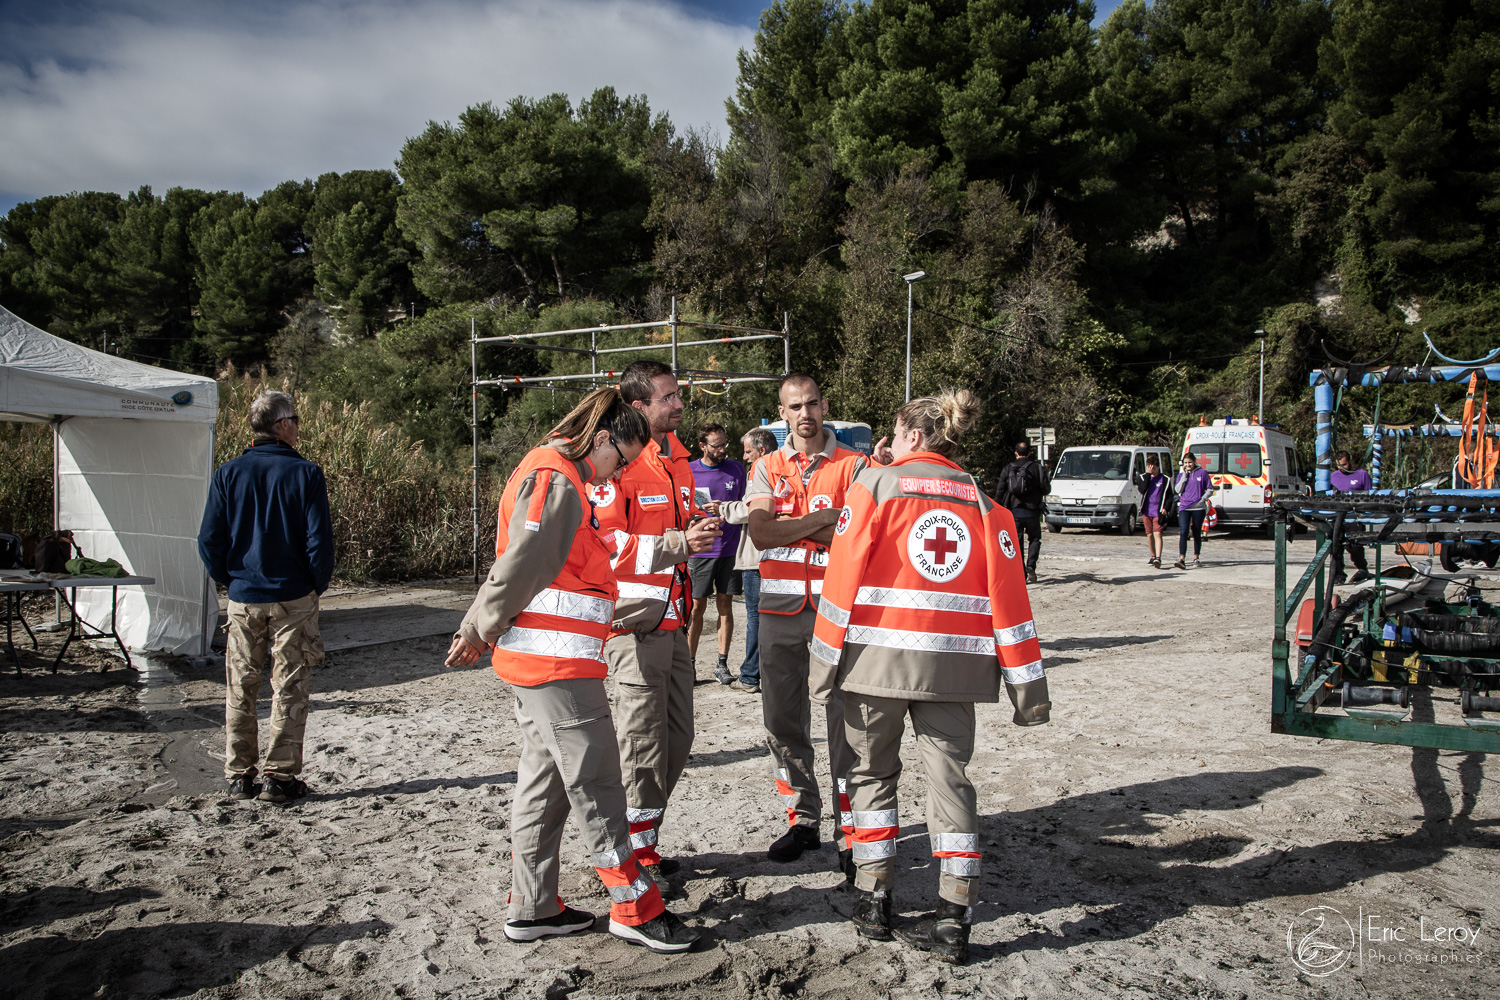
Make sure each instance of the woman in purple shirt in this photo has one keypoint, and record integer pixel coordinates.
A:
(1194, 486)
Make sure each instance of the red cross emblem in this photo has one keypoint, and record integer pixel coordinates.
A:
(939, 545)
(1243, 461)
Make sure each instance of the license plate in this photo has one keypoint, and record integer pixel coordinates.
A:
(1079, 520)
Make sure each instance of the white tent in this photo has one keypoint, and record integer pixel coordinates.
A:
(133, 457)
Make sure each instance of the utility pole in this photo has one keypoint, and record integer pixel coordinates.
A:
(910, 279)
(1260, 409)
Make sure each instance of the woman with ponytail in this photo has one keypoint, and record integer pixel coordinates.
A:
(924, 613)
(545, 610)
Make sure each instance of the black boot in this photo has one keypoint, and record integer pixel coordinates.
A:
(846, 865)
(945, 933)
(872, 914)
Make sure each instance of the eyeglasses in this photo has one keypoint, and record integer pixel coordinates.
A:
(623, 460)
(669, 397)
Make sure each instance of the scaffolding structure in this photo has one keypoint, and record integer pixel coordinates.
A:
(595, 376)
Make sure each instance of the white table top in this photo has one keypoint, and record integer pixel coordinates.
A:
(70, 582)
(17, 585)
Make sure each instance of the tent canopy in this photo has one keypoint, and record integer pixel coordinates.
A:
(133, 458)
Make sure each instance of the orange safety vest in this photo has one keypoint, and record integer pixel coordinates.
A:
(791, 576)
(560, 634)
(653, 495)
(926, 595)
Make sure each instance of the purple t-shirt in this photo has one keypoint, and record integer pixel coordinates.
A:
(1349, 482)
(1156, 491)
(1194, 486)
(725, 481)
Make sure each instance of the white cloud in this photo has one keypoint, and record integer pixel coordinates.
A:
(219, 98)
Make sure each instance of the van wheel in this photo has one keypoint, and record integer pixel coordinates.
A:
(1128, 526)
(1055, 529)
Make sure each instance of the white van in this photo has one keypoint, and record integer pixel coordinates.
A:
(1095, 487)
(1246, 461)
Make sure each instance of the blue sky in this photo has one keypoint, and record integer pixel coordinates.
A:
(242, 94)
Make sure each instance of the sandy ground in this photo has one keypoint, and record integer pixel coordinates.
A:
(1155, 840)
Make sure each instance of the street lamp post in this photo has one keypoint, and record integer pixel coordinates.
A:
(910, 279)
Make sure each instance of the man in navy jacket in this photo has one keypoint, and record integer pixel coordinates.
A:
(267, 536)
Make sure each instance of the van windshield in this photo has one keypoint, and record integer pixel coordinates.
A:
(1093, 465)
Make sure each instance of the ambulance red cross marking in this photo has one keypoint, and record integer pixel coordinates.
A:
(939, 545)
(1244, 460)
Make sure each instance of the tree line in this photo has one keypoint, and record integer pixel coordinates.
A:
(1106, 217)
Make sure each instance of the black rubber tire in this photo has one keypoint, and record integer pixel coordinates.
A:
(1055, 529)
(1127, 527)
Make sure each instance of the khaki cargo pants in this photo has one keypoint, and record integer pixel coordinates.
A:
(653, 694)
(289, 633)
(945, 744)
(786, 707)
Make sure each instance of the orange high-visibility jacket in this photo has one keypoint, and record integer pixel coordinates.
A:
(550, 596)
(642, 516)
(925, 598)
(791, 576)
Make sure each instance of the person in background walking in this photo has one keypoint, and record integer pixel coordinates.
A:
(1193, 486)
(717, 478)
(1349, 480)
(1020, 490)
(758, 443)
(1156, 504)
(545, 609)
(267, 536)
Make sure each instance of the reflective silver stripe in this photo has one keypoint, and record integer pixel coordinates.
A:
(781, 774)
(925, 642)
(1014, 634)
(844, 785)
(965, 842)
(823, 651)
(581, 607)
(816, 586)
(629, 893)
(1021, 675)
(922, 600)
(873, 850)
(642, 815)
(780, 554)
(796, 587)
(564, 644)
(644, 591)
(611, 859)
(818, 559)
(961, 867)
(787, 800)
(833, 613)
(846, 819)
(621, 540)
(643, 839)
(645, 554)
(875, 819)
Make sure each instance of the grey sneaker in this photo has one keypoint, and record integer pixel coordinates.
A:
(722, 674)
(569, 921)
(1197, 563)
(244, 787)
(743, 688)
(1180, 564)
(665, 933)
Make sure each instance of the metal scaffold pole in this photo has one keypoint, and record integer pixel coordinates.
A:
(474, 434)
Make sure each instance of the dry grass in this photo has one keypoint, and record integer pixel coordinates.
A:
(397, 513)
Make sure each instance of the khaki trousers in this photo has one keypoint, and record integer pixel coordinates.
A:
(945, 744)
(289, 633)
(653, 677)
(569, 761)
(786, 707)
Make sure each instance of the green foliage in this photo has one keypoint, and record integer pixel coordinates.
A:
(26, 478)
(533, 203)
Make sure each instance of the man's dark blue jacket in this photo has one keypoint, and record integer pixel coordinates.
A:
(266, 532)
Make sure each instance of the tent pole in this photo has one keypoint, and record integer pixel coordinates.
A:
(474, 434)
(56, 510)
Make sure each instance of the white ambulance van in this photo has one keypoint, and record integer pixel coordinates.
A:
(1095, 487)
(1246, 461)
